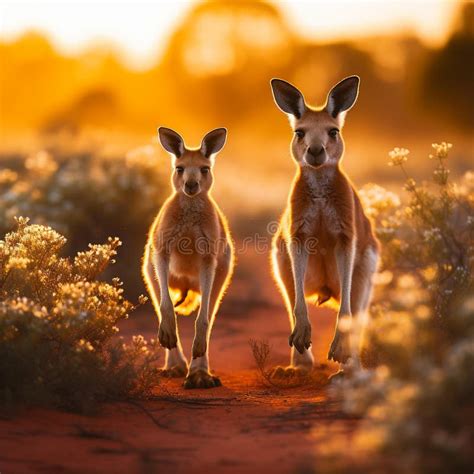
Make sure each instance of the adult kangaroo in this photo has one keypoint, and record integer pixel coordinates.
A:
(325, 246)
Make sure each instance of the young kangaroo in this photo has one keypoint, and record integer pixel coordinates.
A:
(325, 246)
(188, 258)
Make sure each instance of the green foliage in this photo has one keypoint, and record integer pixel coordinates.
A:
(418, 399)
(58, 325)
(87, 196)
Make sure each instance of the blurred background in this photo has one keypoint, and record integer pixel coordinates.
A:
(84, 86)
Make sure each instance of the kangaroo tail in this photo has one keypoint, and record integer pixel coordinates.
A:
(181, 299)
(324, 297)
(185, 302)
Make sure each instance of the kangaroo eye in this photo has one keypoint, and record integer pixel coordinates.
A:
(299, 133)
(334, 132)
(205, 169)
(179, 170)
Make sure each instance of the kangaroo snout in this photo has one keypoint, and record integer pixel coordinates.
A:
(316, 155)
(191, 187)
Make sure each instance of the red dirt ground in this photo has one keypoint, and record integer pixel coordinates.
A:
(242, 427)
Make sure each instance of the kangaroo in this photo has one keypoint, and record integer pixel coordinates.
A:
(325, 246)
(189, 256)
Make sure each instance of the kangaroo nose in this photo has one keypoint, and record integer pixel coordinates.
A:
(316, 155)
(315, 150)
(191, 187)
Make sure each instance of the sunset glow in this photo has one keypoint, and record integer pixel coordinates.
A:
(236, 236)
(140, 30)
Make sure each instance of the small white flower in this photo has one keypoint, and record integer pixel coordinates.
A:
(398, 156)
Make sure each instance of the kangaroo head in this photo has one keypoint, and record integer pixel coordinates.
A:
(192, 167)
(317, 139)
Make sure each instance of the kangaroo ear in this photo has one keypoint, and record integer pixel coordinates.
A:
(213, 142)
(171, 141)
(343, 95)
(288, 98)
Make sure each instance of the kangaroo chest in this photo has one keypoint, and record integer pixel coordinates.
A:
(315, 212)
(191, 224)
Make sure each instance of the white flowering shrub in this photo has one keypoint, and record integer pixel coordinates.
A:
(417, 400)
(428, 241)
(58, 325)
(87, 196)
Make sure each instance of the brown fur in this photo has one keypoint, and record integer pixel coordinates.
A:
(190, 229)
(350, 223)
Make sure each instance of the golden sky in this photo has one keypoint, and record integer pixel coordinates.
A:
(140, 28)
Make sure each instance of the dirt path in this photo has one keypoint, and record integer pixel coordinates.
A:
(242, 427)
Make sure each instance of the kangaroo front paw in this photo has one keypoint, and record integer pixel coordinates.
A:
(167, 336)
(201, 379)
(301, 337)
(340, 350)
(174, 372)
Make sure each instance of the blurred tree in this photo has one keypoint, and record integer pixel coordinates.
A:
(223, 54)
(94, 107)
(449, 77)
(319, 67)
(216, 69)
(32, 79)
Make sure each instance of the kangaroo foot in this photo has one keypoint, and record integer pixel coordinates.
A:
(175, 371)
(340, 350)
(201, 379)
(291, 371)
